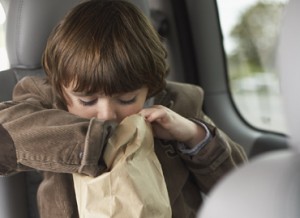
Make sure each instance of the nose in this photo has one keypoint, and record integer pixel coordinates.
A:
(106, 111)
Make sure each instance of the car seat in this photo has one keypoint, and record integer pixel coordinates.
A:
(268, 187)
(28, 24)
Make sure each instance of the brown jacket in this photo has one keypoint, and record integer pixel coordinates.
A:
(38, 134)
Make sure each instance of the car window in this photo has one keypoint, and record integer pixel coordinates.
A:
(3, 55)
(251, 30)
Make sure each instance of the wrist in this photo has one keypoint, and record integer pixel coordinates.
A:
(198, 134)
(185, 149)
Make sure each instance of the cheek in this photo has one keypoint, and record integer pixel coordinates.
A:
(130, 110)
(73, 109)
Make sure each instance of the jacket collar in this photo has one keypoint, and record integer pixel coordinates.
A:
(164, 98)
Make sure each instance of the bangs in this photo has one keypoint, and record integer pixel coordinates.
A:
(93, 55)
(106, 67)
(103, 74)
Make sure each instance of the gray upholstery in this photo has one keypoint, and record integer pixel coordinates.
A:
(13, 197)
(268, 187)
(7, 82)
(29, 23)
(143, 5)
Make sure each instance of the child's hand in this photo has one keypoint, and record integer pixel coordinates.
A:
(169, 125)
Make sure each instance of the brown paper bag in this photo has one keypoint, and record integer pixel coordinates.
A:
(135, 186)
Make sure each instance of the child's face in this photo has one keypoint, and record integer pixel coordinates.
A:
(115, 107)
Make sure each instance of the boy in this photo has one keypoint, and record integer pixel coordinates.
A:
(104, 62)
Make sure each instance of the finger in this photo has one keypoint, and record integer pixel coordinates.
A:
(153, 114)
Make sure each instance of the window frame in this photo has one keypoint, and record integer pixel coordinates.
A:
(212, 73)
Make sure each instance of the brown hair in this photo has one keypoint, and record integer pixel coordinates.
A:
(105, 46)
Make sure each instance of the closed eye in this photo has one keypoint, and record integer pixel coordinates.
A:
(126, 102)
(88, 103)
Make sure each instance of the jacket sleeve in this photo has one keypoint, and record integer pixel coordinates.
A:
(216, 158)
(35, 135)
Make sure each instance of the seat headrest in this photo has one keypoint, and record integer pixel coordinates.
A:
(29, 23)
(267, 187)
(143, 5)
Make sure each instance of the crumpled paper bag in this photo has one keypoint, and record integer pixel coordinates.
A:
(134, 187)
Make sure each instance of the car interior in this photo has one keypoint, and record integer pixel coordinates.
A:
(270, 182)
(192, 34)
